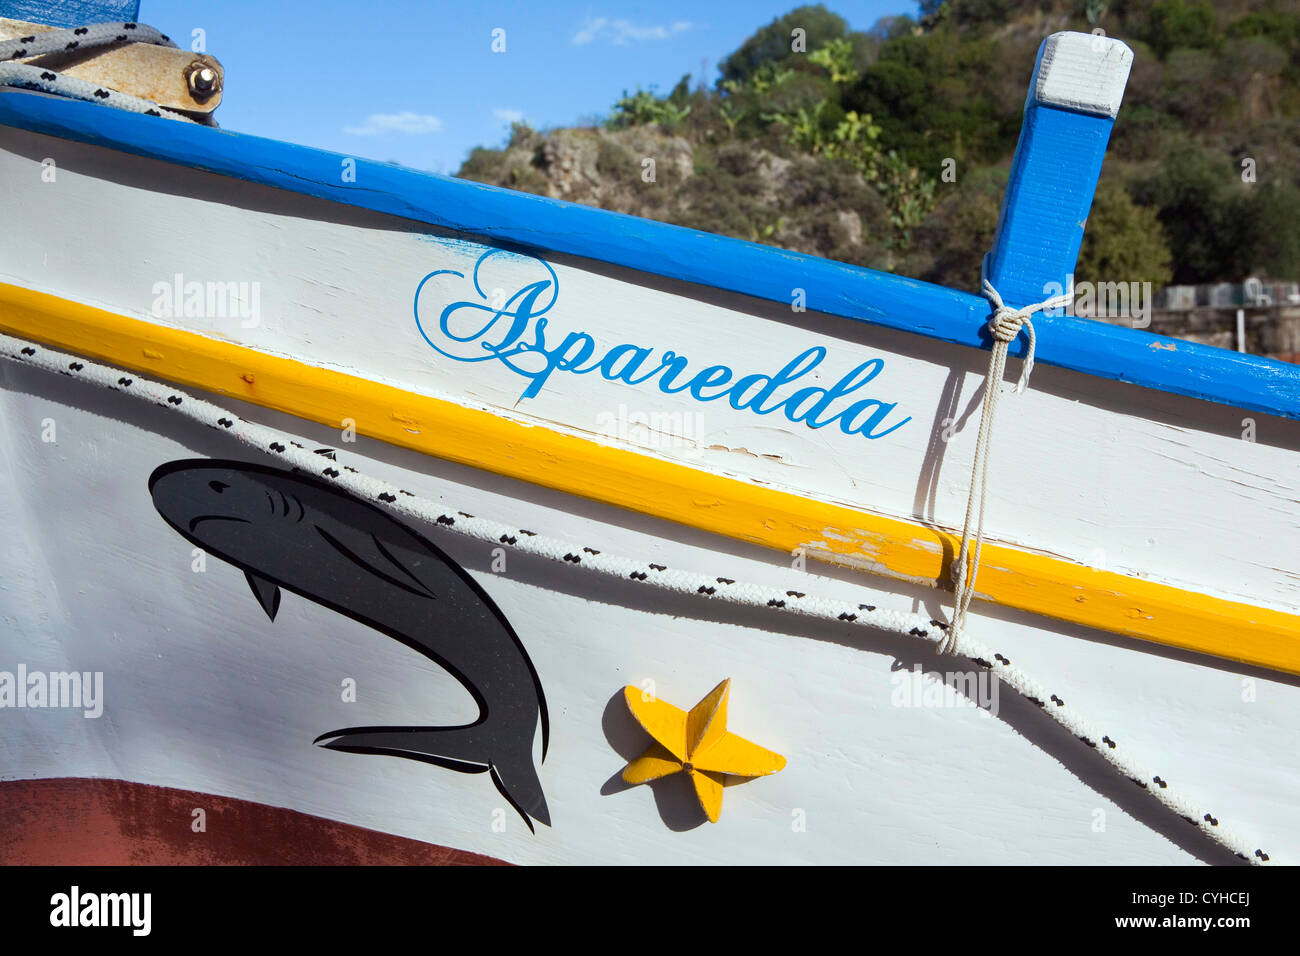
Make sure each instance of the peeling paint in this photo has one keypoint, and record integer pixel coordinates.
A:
(742, 450)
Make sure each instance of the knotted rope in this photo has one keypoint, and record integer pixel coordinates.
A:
(1004, 325)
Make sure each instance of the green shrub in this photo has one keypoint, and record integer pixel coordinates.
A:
(643, 108)
(838, 150)
(771, 46)
(1282, 28)
(1199, 201)
(1174, 24)
(950, 244)
(1123, 242)
(1274, 213)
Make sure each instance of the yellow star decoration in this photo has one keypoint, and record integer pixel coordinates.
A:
(698, 743)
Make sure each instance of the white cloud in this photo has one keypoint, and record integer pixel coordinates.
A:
(622, 32)
(508, 116)
(589, 31)
(413, 124)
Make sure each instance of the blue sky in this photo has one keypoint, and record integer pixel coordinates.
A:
(418, 82)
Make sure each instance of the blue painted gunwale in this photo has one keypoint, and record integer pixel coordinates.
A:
(544, 225)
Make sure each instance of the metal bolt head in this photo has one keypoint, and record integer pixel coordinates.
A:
(202, 79)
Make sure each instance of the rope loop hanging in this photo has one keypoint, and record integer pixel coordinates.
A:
(1004, 326)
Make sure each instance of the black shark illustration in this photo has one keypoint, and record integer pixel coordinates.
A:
(293, 532)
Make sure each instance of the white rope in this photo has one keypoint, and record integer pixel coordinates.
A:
(1004, 326)
(74, 39)
(790, 599)
(31, 77)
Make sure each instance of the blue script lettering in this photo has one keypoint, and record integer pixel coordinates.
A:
(512, 330)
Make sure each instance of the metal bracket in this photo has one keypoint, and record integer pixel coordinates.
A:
(172, 78)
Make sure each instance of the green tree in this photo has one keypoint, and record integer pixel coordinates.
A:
(1282, 28)
(772, 44)
(1123, 242)
(1273, 212)
(837, 148)
(1175, 23)
(979, 12)
(1199, 201)
(938, 95)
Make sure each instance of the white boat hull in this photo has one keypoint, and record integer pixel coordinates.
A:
(1097, 485)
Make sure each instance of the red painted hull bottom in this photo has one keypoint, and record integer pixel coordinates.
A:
(77, 821)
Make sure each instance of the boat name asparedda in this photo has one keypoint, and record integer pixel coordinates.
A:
(491, 325)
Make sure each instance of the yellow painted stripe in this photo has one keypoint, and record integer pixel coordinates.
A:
(777, 519)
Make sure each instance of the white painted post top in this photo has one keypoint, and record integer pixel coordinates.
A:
(1083, 72)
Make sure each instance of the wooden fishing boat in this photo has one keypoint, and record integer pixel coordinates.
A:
(517, 485)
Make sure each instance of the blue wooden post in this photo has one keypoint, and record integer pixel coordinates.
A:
(1073, 98)
(70, 13)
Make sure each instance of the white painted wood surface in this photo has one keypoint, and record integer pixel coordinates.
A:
(204, 693)
(1109, 475)
(1080, 72)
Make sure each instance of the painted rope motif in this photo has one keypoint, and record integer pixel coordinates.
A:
(707, 586)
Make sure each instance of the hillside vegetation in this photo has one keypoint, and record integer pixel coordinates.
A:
(891, 147)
